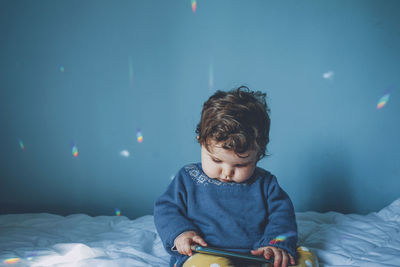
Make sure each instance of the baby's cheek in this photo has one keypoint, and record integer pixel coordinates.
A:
(243, 175)
(210, 172)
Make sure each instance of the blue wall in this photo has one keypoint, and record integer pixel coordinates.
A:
(90, 73)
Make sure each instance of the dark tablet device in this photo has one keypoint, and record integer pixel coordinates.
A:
(219, 252)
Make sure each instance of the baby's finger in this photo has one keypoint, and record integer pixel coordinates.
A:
(285, 259)
(180, 249)
(199, 240)
(277, 257)
(188, 250)
(259, 251)
(185, 247)
(292, 261)
(268, 253)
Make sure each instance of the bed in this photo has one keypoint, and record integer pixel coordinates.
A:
(44, 239)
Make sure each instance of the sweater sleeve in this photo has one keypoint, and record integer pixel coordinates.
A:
(281, 228)
(170, 212)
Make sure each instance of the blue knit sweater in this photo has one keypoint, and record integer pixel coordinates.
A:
(231, 216)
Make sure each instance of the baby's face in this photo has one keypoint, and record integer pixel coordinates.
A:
(225, 165)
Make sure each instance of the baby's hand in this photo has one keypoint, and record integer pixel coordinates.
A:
(280, 255)
(185, 240)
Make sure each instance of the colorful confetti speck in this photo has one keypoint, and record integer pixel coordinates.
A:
(117, 212)
(130, 72)
(12, 260)
(383, 100)
(30, 257)
(211, 77)
(75, 151)
(194, 5)
(328, 75)
(124, 153)
(139, 136)
(281, 238)
(21, 144)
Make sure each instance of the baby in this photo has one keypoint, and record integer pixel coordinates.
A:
(226, 201)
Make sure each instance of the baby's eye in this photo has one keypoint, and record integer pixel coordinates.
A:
(216, 160)
(241, 165)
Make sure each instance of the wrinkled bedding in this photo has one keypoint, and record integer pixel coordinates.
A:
(353, 240)
(80, 240)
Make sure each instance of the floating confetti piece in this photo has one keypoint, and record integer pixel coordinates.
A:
(383, 100)
(194, 5)
(21, 144)
(277, 239)
(12, 260)
(62, 69)
(130, 72)
(30, 257)
(328, 75)
(75, 151)
(211, 77)
(124, 153)
(139, 136)
(117, 212)
(281, 238)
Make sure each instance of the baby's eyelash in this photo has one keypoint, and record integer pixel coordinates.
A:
(216, 160)
(241, 165)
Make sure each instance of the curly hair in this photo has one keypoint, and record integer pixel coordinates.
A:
(239, 119)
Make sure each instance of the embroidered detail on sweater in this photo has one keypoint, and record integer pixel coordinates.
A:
(201, 179)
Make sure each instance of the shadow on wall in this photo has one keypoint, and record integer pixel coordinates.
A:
(328, 173)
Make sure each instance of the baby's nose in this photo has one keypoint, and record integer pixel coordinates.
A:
(228, 173)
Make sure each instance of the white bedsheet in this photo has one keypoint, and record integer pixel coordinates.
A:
(353, 240)
(80, 240)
